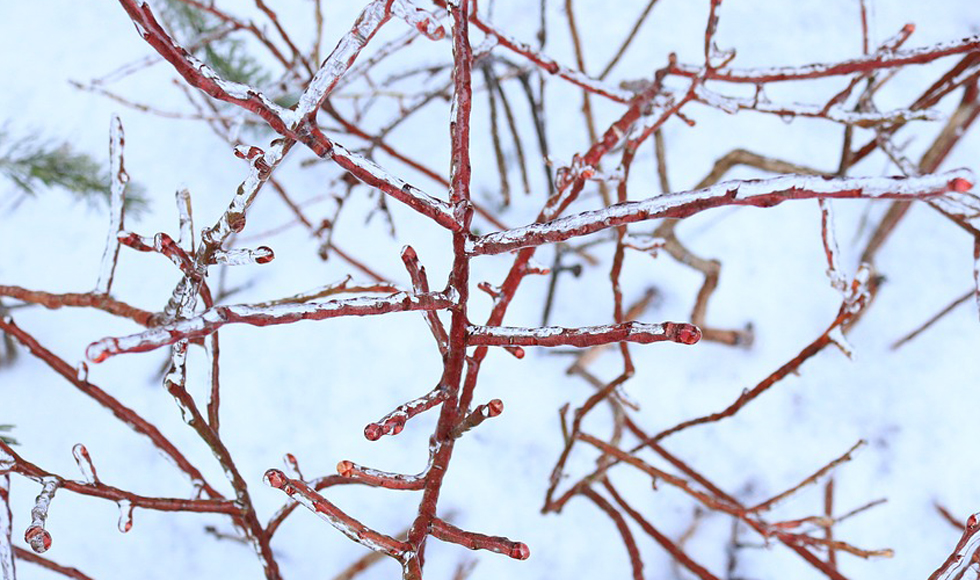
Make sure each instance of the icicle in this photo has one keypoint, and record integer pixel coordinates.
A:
(117, 186)
(186, 220)
(6, 531)
(177, 376)
(84, 462)
(240, 257)
(125, 522)
(830, 247)
(81, 372)
(836, 336)
(39, 538)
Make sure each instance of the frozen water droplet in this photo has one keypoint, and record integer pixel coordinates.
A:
(275, 478)
(345, 468)
(787, 118)
(125, 516)
(38, 538)
(520, 551)
(84, 461)
(373, 432)
(81, 372)
(495, 407)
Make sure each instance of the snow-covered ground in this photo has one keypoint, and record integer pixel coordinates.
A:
(310, 388)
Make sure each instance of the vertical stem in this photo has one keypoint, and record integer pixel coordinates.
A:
(459, 196)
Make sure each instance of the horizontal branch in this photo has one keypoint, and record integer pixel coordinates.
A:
(89, 299)
(877, 61)
(632, 331)
(753, 192)
(10, 460)
(447, 532)
(212, 319)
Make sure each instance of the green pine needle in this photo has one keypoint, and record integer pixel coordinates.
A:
(33, 165)
(6, 439)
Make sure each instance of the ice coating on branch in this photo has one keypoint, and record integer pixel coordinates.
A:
(347, 525)
(566, 175)
(117, 197)
(423, 20)
(84, 461)
(125, 522)
(887, 59)
(240, 257)
(632, 331)
(81, 371)
(39, 538)
(962, 559)
(372, 17)
(6, 530)
(549, 65)
(411, 195)
(756, 192)
(836, 113)
(214, 318)
(834, 271)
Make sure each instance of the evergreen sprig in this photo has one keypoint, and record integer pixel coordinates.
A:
(6, 438)
(33, 164)
(226, 55)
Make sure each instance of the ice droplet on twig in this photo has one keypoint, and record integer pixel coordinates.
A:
(125, 522)
(275, 478)
(81, 371)
(39, 538)
(84, 461)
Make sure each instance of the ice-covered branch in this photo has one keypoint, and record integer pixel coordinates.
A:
(78, 300)
(17, 464)
(551, 66)
(447, 532)
(632, 331)
(347, 525)
(965, 554)
(754, 192)
(836, 112)
(477, 416)
(420, 283)
(880, 60)
(117, 198)
(126, 415)
(243, 256)
(294, 124)
(394, 422)
(214, 318)
(424, 21)
(376, 478)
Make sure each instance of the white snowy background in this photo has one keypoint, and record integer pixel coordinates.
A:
(310, 388)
